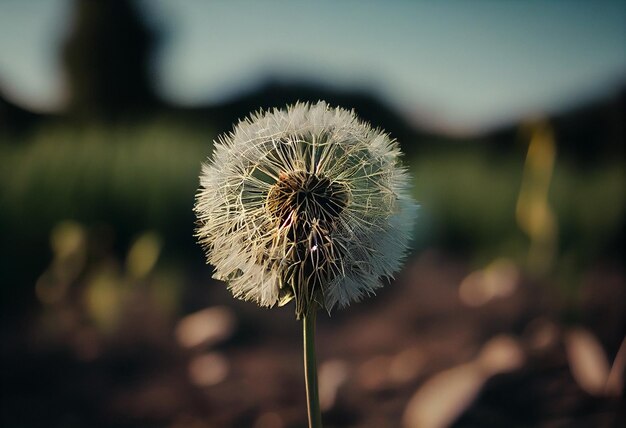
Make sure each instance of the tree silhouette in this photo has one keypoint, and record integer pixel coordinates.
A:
(107, 59)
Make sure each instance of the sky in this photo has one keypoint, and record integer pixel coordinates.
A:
(459, 65)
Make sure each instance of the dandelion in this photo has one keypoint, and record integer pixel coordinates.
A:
(307, 204)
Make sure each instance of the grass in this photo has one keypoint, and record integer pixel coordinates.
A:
(145, 177)
(133, 178)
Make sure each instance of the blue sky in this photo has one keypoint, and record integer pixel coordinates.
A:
(459, 65)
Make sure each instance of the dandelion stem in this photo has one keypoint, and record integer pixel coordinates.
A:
(310, 369)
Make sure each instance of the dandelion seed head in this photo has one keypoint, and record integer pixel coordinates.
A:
(308, 203)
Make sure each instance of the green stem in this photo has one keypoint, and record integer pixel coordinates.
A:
(310, 370)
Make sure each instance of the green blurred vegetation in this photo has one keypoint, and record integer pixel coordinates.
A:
(468, 199)
(132, 178)
(135, 178)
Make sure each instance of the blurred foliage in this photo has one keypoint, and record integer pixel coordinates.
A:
(468, 200)
(129, 177)
(86, 287)
(134, 178)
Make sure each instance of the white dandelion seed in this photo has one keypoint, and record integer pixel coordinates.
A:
(310, 204)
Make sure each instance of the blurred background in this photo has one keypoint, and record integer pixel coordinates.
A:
(510, 310)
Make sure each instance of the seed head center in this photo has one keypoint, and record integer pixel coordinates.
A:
(303, 197)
